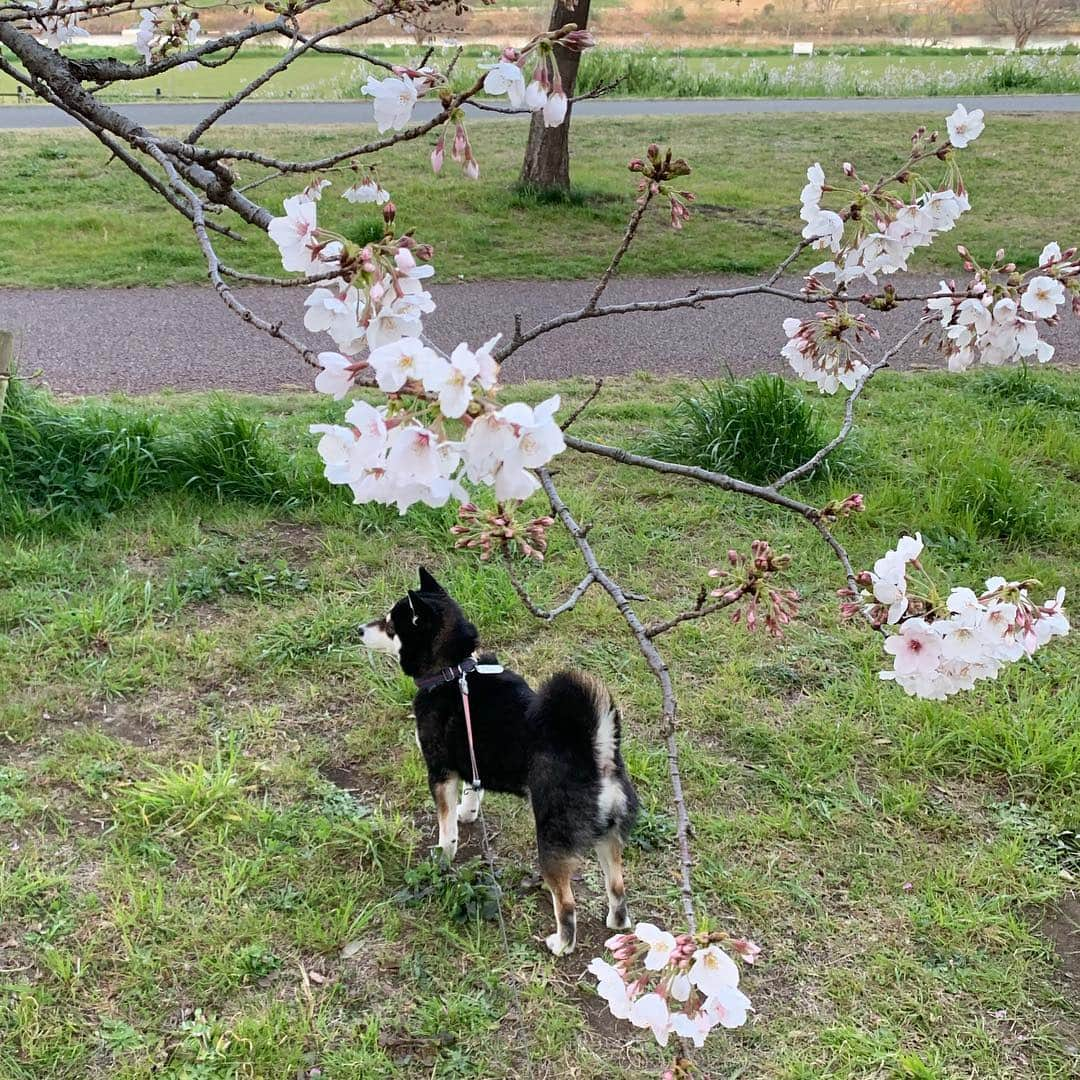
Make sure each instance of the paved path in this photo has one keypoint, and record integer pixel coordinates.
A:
(141, 339)
(353, 112)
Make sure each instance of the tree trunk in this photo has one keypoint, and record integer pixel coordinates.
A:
(1022, 38)
(547, 155)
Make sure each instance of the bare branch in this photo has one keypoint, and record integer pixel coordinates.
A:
(655, 629)
(568, 604)
(660, 670)
(583, 406)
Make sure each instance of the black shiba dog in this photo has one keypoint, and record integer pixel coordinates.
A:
(559, 747)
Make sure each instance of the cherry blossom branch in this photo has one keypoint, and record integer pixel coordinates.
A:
(574, 416)
(568, 604)
(659, 668)
(812, 463)
(214, 266)
(628, 238)
(700, 611)
(509, 110)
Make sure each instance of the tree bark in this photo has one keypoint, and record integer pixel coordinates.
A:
(547, 154)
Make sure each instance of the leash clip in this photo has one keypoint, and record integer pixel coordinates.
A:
(463, 684)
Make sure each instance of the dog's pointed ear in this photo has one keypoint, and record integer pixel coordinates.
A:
(420, 608)
(428, 584)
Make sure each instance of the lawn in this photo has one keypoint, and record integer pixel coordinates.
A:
(214, 820)
(73, 218)
(834, 72)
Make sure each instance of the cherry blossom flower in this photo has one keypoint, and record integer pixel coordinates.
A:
(964, 127)
(661, 945)
(401, 361)
(612, 988)
(367, 190)
(336, 376)
(1043, 296)
(713, 971)
(536, 95)
(555, 109)
(651, 1011)
(294, 234)
(394, 101)
(826, 229)
(506, 78)
(387, 326)
(454, 384)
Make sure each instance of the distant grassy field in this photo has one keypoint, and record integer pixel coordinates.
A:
(214, 822)
(703, 72)
(72, 219)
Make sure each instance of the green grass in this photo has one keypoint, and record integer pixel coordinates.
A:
(838, 71)
(59, 199)
(755, 429)
(215, 823)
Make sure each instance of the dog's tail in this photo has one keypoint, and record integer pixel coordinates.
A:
(577, 712)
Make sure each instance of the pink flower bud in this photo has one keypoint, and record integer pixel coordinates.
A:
(389, 212)
(437, 157)
(472, 169)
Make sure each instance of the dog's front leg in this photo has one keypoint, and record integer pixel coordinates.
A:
(445, 793)
(469, 808)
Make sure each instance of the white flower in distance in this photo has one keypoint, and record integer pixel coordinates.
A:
(555, 109)
(398, 362)
(661, 945)
(964, 127)
(506, 78)
(1043, 296)
(651, 1011)
(394, 101)
(366, 191)
(713, 971)
(294, 234)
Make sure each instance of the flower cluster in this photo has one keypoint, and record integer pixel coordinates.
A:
(996, 319)
(59, 29)
(165, 30)
(825, 349)
(543, 94)
(683, 986)
(887, 229)
(749, 579)
(373, 302)
(658, 170)
(487, 531)
(943, 646)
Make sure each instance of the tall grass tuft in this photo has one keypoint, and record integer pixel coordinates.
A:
(754, 429)
(1021, 386)
(64, 463)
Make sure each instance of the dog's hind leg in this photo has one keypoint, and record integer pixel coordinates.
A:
(557, 871)
(609, 850)
(469, 808)
(445, 793)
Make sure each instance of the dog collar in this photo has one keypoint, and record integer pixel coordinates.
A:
(457, 673)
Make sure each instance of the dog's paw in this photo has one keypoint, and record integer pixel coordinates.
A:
(618, 919)
(467, 813)
(449, 850)
(557, 944)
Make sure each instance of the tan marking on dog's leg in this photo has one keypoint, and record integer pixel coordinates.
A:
(446, 807)
(557, 873)
(609, 851)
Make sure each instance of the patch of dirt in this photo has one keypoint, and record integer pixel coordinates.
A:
(301, 543)
(1061, 924)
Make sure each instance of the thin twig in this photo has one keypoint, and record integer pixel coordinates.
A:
(568, 604)
(573, 417)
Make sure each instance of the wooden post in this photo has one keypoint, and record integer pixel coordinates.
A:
(7, 364)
